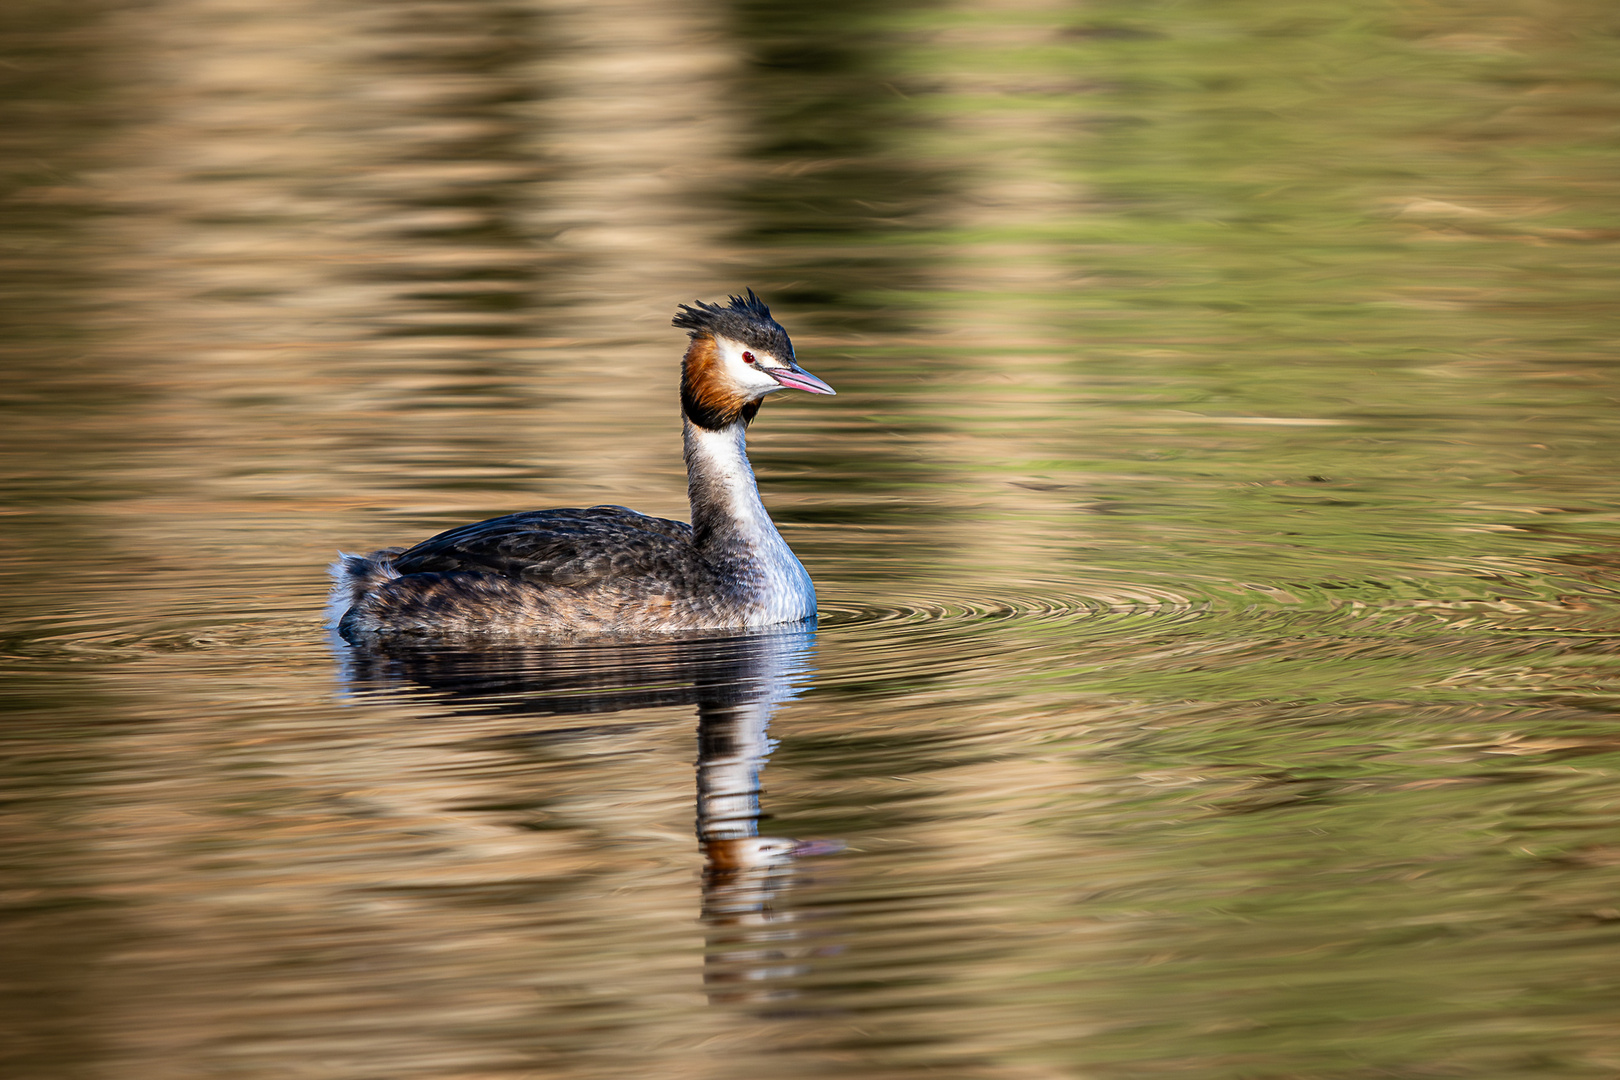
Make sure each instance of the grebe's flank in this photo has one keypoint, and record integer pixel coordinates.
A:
(607, 569)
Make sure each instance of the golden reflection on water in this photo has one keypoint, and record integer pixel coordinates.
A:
(1215, 533)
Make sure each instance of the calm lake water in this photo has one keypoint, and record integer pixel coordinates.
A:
(1217, 533)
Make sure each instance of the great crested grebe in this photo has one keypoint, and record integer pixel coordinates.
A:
(608, 569)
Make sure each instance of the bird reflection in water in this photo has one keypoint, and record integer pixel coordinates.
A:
(737, 682)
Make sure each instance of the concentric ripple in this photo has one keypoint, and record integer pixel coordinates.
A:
(951, 604)
(1091, 619)
(1090, 604)
(102, 638)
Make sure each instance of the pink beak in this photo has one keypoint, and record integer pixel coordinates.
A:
(799, 379)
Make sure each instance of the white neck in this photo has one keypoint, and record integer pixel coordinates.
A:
(732, 529)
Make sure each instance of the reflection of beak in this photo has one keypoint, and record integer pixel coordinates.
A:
(799, 379)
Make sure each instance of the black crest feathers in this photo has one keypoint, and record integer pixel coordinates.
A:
(745, 319)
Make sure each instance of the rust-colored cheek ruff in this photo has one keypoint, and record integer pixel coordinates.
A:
(708, 400)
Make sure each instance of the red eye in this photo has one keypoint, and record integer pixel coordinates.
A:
(748, 358)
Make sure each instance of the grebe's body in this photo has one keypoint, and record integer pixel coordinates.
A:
(607, 569)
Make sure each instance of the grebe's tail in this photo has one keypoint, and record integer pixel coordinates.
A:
(354, 576)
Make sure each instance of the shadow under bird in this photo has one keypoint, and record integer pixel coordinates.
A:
(608, 569)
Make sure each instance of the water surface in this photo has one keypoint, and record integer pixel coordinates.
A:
(1216, 533)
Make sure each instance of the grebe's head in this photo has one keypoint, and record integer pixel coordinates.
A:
(737, 356)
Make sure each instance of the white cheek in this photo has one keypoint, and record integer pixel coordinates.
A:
(760, 381)
(743, 374)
